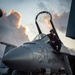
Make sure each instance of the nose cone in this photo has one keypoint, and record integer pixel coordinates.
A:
(18, 58)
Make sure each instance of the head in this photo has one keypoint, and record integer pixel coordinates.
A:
(52, 31)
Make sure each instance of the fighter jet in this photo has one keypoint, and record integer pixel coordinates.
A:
(39, 56)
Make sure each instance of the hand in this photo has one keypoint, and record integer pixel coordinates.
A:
(53, 41)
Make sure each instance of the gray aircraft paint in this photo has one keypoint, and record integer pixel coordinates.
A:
(33, 56)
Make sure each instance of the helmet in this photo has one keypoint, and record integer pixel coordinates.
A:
(52, 30)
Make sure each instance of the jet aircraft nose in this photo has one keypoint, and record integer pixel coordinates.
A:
(18, 58)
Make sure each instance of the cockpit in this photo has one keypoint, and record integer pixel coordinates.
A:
(39, 36)
(42, 38)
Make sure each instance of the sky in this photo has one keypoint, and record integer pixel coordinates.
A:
(17, 25)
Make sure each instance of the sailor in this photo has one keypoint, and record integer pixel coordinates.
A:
(54, 41)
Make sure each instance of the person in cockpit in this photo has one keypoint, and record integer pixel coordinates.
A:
(54, 40)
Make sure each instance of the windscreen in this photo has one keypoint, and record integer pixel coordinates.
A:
(39, 36)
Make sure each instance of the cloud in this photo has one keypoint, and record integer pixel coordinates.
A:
(60, 11)
(10, 25)
(10, 29)
(61, 21)
(14, 18)
(41, 5)
(55, 6)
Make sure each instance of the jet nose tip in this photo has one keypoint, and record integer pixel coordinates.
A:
(3, 59)
(6, 59)
(9, 57)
